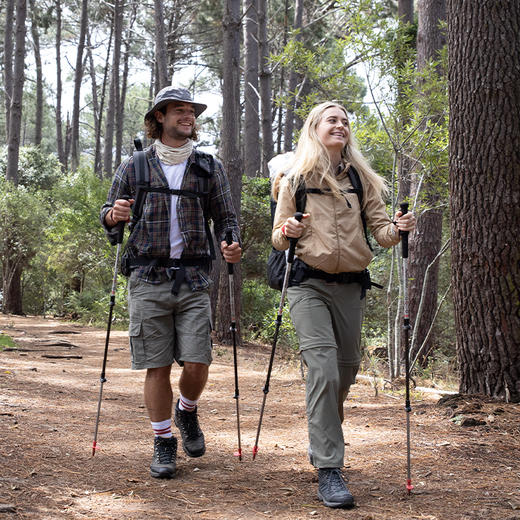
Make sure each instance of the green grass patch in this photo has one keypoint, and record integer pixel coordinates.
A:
(6, 342)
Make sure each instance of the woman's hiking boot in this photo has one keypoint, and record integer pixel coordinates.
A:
(192, 436)
(332, 490)
(164, 457)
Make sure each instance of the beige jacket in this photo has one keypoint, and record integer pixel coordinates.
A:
(333, 240)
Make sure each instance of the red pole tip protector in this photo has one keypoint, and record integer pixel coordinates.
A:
(409, 486)
(238, 454)
(255, 451)
(94, 448)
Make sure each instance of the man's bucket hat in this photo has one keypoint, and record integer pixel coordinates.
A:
(169, 94)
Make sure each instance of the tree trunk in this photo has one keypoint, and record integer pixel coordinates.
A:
(405, 13)
(15, 118)
(161, 54)
(485, 193)
(97, 152)
(39, 75)
(59, 127)
(113, 100)
(251, 114)
(78, 77)
(12, 288)
(293, 81)
(8, 60)
(265, 88)
(425, 242)
(230, 150)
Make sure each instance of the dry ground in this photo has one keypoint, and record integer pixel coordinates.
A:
(48, 410)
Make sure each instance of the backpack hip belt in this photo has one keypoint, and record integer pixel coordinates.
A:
(175, 267)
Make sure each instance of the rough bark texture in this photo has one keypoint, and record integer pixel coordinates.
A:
(113, 102)
(425, 243)
(161, 54)
(265, 87)
(59, 127)
(39, 75)
(251, 101)
(8, 59)
(231, 26)
(484, 89)
(293, 82)
(78, 78)
(15, 119)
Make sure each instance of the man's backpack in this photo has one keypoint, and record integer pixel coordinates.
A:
(277, 261)
(142, 187)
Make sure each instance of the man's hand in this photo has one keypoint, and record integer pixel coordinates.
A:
(231, 252)
(120, 212)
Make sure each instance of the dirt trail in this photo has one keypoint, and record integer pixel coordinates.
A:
(48, 410)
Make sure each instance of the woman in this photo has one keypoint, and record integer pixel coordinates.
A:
(327, 306)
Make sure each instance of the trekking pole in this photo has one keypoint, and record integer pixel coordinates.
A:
(290, 258)
(233, 329)
(120, 232)
(406, 330)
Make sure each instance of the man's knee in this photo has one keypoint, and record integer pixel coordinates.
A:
(195, 370)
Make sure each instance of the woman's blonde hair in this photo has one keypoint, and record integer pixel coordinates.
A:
(311, 160)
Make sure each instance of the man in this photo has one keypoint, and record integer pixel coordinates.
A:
(168, 254)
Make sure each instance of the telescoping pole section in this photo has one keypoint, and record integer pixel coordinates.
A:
(233, 329)
(290, 258)
(102, 379)
(406, 331)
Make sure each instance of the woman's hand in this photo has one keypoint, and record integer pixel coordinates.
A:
(294, 229)
(404, 222)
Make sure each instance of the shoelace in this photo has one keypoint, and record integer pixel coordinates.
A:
(190, 424)
(165, 453)
(335, 481)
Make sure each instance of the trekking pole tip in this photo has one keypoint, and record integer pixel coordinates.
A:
(94, 448)
(255, 451)
(238, 454)
(409, 486)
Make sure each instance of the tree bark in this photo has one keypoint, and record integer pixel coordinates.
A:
(425, 242)
(113, 100)
(8, 60)
(78, 77)
(59, 127)
(293, 81)
(97, 153)
(484, 129)
(231, 26)
(265, 88)
(161, 54)
(39, 75)
(251, 113)
(15, 118)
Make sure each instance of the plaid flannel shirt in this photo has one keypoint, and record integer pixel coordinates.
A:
(151, 235)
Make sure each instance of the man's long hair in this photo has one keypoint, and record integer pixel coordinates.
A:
(154, 128)
(312, 163)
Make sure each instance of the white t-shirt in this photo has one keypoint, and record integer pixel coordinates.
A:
(174, 174)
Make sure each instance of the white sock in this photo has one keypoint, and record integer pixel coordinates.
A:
(187, 404)
(162, 428)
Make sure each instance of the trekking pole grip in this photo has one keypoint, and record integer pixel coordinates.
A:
(404, 234)
(120, 226)
(229, 241)
(292, 241)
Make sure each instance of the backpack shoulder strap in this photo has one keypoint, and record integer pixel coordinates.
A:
(142, 181)
(357, 188)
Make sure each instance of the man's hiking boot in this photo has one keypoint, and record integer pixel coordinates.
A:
(192, 436)
(164, 457)
(332, 489)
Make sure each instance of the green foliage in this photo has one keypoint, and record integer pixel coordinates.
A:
(6, 342)
(255, 225)
(259, 310)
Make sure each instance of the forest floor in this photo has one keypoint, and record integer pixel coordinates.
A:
(465, 452)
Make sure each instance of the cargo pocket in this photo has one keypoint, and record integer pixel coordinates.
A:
(135, 333)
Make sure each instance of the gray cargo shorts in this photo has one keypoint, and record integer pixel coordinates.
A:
(165, 327)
